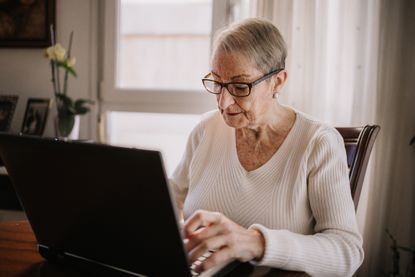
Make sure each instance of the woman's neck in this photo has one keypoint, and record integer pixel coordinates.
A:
(278, 122)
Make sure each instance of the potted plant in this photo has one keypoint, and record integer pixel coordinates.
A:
(68, 109)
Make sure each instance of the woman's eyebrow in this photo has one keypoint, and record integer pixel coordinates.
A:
(234, 77)
(216, 74)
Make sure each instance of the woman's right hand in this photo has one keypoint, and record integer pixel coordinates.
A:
(205, 231)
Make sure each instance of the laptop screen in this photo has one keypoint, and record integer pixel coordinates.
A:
(104, 203)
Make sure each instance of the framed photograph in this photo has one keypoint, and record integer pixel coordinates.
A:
(7, 108)
(35, 116)
(26, 23)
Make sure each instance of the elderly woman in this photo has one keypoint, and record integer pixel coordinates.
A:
(260, 181)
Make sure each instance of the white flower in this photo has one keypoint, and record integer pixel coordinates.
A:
(56, 52)
(59, 52)
(50, 53)
(70, 62)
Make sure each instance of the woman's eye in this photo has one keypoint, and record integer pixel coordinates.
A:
(216, 85)
(240, 86)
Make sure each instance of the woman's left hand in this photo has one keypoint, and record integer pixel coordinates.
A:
(204, 231)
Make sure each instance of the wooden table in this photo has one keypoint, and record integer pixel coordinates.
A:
(19, 257)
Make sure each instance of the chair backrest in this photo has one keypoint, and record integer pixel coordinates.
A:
(358, 142)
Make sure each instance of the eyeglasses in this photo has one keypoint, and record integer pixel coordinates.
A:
(237, 89)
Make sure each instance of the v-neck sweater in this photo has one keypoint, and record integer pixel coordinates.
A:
(299, 199)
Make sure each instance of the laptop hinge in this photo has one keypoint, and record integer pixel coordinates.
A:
(60, 256)
(51, 253)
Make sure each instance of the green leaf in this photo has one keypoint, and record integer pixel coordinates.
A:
(65, 105)
(70, 70)
(81, 106)
(64, 99)
(66, 123)
(82, 110)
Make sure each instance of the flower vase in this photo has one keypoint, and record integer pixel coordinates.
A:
(64, 132)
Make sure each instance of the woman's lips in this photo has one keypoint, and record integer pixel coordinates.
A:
(233, 114)
(229, 113)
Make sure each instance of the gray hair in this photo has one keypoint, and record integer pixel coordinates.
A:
(256, 39)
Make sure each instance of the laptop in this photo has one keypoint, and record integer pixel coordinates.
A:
(101, 207)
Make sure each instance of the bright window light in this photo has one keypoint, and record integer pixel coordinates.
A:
(164, 44)
(156, 131)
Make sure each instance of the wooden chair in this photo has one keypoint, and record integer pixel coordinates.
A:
(358, 142)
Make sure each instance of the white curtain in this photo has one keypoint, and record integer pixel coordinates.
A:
(351, 63)
(331, 50)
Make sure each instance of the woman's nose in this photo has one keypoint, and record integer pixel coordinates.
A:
(225, 99)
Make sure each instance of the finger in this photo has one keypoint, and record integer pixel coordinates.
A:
(203, 234)
(221, 256)
(185, 242)
(212, 243)
(199, 219)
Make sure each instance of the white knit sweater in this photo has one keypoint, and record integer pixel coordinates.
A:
(299, 200)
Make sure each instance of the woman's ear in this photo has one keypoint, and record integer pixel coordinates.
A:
(280, 80)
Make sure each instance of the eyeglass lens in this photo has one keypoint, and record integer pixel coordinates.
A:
(236, 89)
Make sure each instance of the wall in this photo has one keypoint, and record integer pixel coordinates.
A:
(26, 72)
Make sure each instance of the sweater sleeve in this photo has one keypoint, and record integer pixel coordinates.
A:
(335, 249)
(179, 181)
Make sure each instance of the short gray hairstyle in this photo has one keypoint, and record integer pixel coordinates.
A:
(256, 39)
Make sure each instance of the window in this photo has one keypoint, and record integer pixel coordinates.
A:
(164, 44)
(155, 54)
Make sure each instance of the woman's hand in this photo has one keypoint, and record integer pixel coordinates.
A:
(206, 231)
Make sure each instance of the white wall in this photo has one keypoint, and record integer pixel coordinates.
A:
(26, 72)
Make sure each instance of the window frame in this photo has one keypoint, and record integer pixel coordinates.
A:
(147, 100)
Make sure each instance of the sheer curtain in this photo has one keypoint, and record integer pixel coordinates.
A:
(351, 63)
(331, 50)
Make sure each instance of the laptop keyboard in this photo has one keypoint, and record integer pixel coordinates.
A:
(199, 261)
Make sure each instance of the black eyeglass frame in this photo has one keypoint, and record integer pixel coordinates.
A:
(250, 85)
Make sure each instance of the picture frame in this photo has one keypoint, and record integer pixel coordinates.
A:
(36, 115)
(26, 24)
(7, 107)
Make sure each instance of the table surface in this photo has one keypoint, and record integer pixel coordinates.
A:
(19, 257)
